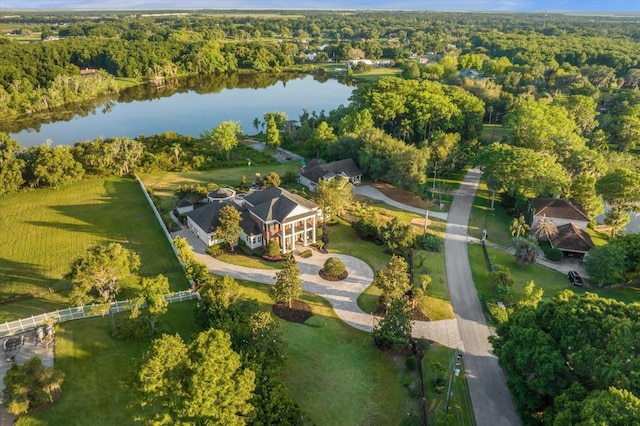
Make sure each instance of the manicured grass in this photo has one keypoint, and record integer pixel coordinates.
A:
(343, 239)
(96, 367)
(552, 282)
(45, 230)
(436, 303)
(335, 372)
(438, 367)
(599, 238)
(248, 261)
(164, 183)
(493, 132)
(496, 222)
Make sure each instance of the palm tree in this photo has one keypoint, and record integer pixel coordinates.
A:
(519, 226)
(526, 250)
(544, 229)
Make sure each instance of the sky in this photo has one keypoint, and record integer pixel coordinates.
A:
(443, 5)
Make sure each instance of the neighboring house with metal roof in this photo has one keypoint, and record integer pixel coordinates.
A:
(273, 213)
(316, 171)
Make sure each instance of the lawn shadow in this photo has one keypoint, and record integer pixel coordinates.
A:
(28, 274)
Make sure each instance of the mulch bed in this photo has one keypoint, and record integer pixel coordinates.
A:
(418, 314)
(331, 277)
(299, 311)
(401, 195)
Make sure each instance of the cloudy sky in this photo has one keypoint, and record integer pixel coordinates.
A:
(498, 5)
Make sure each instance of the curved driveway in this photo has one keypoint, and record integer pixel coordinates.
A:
(491, 400)
(342, 295)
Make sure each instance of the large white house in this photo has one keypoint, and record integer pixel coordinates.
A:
(273, 213)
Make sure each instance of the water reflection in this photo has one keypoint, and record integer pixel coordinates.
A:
(150, 111)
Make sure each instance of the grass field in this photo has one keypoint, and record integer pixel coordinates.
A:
(436, 303)
(164, 183)
(552, 282)
(335, 372)
(44, 230)
(495, 221)
(96, 366)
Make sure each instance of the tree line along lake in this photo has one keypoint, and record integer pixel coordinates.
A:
(186, 106)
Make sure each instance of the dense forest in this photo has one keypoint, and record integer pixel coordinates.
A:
(559, 94)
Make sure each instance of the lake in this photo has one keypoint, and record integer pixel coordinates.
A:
(188, 106)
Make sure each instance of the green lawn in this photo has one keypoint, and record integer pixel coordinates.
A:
(496, 222)
(46, 229)
(552, 282)
(436, 303)
(493, 132)
(96, 366)
(438, 366)
(335, 372)
(164, 183)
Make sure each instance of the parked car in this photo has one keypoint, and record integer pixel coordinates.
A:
(575, 278)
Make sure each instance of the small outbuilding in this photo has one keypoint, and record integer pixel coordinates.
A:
(184, 206)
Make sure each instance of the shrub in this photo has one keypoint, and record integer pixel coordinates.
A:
(432, 243)
(498, 313)
(30, 386)
(306, 253)
(411, 363)
(135, 330)
(554, 254)
(273, 249)
(367, 229)
(334, 266)
(215, 250)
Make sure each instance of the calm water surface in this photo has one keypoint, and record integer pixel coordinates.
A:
(187, 110)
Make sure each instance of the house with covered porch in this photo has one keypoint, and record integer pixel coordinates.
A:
(273, 213)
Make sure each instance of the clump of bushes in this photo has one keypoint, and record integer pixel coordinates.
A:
(333, 270)
(432, 243)
(411, 363)
(215, 250)
(368, 230)
(274, 251)
(306, 253)
(553, 254)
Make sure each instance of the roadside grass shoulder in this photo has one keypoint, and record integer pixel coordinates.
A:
(496, 221)
(45, 230)
(436, 304)
(438, 368)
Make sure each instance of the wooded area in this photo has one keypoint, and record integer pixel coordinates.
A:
(562, 90)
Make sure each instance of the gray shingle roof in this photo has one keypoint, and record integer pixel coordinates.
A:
(276, 203)
(316, 171)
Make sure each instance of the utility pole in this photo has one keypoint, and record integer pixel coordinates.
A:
(426, 220)
(435, 173)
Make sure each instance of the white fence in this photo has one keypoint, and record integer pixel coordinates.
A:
(87, 311)
(160, 221)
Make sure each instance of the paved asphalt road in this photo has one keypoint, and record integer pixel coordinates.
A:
(490, 396)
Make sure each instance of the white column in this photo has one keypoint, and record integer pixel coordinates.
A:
(313, 234)
(305, 232)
